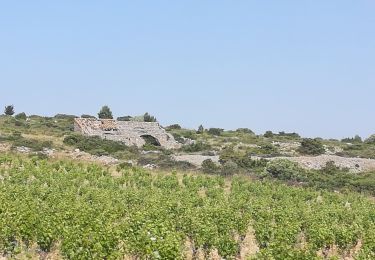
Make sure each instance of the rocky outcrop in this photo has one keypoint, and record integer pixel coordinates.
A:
(318, 162)
(128, 132)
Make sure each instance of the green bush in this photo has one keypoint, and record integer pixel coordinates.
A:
(33, 144)
(291, 135)
(196, 147)
(64, 116)
(148, 118)
(356, 139)
(215, 131)
(97, 146)
(311, 147)
(245, 131)
(229, 168)
(268, 134)
(174, 127)
(208, 166)
(285, 170)
(124, 118)
(87, 116)
(200, 129)
(21, 116)
(370, 140)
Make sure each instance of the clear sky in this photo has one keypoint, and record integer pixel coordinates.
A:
(304, 66)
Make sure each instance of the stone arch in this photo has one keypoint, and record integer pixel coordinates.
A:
(152, 140)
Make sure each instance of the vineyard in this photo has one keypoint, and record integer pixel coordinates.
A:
(81, 211)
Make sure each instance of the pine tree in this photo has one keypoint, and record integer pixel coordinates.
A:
(9, 110)
(105, 113)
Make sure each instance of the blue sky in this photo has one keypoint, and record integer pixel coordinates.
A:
(304, 66)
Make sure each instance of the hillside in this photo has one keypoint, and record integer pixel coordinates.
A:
(223, 194)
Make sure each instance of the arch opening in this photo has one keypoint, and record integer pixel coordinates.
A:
(150, 140)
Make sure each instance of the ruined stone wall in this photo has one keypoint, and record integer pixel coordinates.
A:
(128, 132)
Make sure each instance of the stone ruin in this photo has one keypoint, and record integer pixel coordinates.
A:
(128, 132)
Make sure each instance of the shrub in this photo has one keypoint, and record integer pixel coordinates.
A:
(208, 166)
(65, 116)
(95, 145)
(174, 127)
(268, 134)
(33, 144)
(196, 147)
(370, 140)
(200, 129)
(9, 110)
(229, 168)
(356, 139)
(292, 135)
(87, 116)
(123, 166)
(311, 147)
(21, 116)
(124, 118)
(245, 131)
(148, 118)
(215, 131)
(285, 170)
(105, 113)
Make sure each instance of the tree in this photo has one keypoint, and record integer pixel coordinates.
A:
(105, 113)
(148, 118)
(371, 139)
(268, 134)
(200, 129)
(9, 110)
(311, 147)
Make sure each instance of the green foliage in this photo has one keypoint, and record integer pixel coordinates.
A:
(291, 135)
(370, 140)
(105, 113)
(196, 147)
(124, 118)
(245, 131)
(17, 140)
(97, 146)
(92, 215)
(65, 116)
(229, 168)
(9, 110)
(35, 145)
(311, 147)
(200, 129)
(21, 116)
(268, 134)
(363, 150)
(286, 170)
(215, 131)
(148, 118)
(208, 166)
(356, 139)
(174, 127)
(88, 116)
